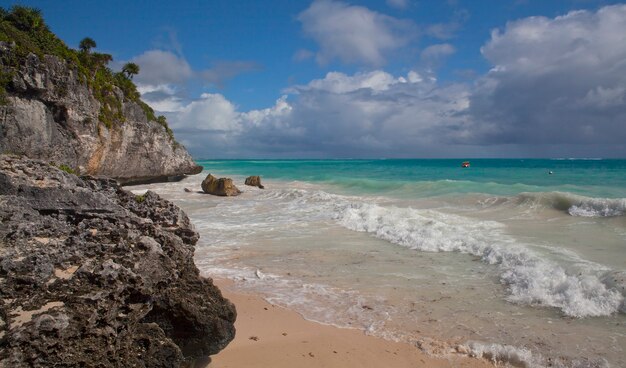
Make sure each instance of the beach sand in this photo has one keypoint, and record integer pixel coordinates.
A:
(271, 336)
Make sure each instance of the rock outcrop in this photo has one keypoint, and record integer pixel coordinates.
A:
(94, 276)
(254, 181)
(50, 112)
(219, 187)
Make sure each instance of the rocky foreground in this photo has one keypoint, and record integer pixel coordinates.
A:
(92, 275)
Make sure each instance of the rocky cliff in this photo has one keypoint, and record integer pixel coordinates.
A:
(53, 111)
(94, 276)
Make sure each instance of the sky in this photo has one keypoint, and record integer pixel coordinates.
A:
(370, 79)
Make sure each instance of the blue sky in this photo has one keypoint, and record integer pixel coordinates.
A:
(394, 78)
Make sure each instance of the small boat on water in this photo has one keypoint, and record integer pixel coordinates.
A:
(465, 164)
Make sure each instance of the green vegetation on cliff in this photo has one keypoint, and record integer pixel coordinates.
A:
(26, 32)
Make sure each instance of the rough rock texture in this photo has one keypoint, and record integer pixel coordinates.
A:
(94, 276)
(53, 115)
(219, 187)
(254, 181)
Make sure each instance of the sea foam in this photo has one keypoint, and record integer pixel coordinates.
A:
(523, 357)
(530, 279)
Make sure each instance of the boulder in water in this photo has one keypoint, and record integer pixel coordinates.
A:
(220, 187)
(254, 181)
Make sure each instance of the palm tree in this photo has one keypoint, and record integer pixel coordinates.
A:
(102, 59)
(97, 61)
(130, 69)
(87, 44)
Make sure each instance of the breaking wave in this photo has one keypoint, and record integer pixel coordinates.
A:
(575, 205)
(530, 279)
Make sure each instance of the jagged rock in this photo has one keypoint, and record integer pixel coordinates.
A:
(254, 181)
(92, 275)
(52, 114)
(219, 187)
(187, 190)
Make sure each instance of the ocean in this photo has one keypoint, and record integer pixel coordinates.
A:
(519, 260)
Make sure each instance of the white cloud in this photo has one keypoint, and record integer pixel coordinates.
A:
(556, 80)
(162, 97)
(336, 82)
(160, 88)
(159, 67)
(353, 34)
(212, 112)
(275, 115)
(334, 116)
(557, 87)
(163, 77)
(165, 103)
(437, 52)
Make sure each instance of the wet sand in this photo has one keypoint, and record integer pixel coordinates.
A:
(271, 336)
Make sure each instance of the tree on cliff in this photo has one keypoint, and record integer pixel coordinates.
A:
(26, 19)
(87, 44)
(25, 31)
(130, 70)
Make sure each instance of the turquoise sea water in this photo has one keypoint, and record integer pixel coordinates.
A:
(502, 259)
(423, 178)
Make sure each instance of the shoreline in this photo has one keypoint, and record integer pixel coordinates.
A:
(271, 336)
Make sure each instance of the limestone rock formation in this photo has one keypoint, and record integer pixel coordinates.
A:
(92, 275)
(219, 187)
(52, 113)
(254, 181)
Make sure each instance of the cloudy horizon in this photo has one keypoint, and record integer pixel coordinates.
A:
(380, 85)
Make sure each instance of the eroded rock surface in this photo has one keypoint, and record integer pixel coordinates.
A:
(219, 187)
(254, 181)
(94, 276)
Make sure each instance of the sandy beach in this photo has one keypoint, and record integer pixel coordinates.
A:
(271, 336)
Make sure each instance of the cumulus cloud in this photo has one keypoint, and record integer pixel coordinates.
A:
(164, 76)
(556, 81)
(435, 54)
(353, 34)
(336, 82)
(212, 126)
(211, 113)
(159, 67)
(557, 87)
(339, 115)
